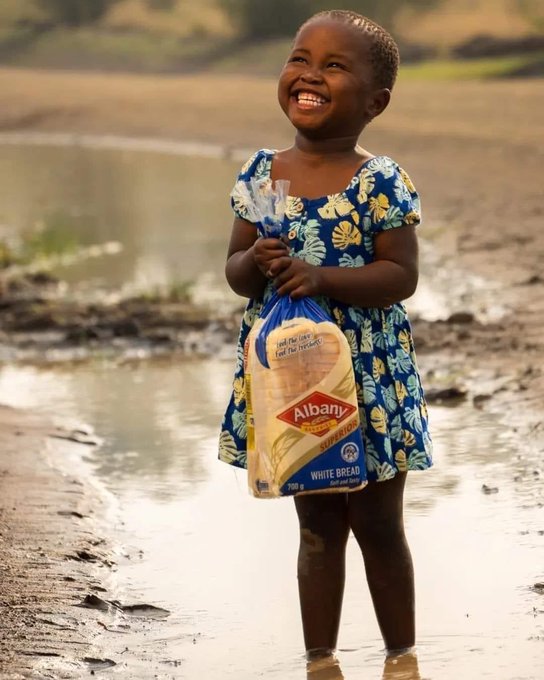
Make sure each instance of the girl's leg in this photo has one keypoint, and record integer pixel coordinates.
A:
(324, 529)
(376, 518)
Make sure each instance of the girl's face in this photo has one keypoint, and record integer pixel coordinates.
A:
(326, 88)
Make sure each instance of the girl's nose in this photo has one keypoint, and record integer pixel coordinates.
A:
(311, 75)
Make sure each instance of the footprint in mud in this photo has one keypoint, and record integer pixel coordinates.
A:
(98, 664)
(146, 611)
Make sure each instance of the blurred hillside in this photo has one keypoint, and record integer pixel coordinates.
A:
(184, 36)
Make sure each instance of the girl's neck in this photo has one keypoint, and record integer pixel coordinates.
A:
(313, 149)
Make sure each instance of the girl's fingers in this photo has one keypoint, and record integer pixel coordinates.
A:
(278, 265)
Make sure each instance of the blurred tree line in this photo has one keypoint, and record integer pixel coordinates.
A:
(253, 18)
(81, 12)
(280, 18)
(74, 12)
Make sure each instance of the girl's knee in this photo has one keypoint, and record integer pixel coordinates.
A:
(376, 514)
(379, 533)
(323, 516)
(324, 528)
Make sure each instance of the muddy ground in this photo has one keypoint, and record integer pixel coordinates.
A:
(475, 152)
(54, 550)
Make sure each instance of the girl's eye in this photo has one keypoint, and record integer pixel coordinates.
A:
(336, 64)
(297, 59)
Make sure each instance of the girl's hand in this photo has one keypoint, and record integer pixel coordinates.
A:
(271, 256)
(299, 279)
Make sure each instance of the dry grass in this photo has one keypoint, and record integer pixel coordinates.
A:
(454, 21)
(183, 20)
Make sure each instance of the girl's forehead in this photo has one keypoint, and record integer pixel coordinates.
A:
(331, 35)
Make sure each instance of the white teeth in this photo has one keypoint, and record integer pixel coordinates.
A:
(309, 98)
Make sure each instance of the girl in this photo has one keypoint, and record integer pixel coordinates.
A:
(349, 242)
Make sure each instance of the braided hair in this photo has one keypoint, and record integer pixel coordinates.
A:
(384, 52)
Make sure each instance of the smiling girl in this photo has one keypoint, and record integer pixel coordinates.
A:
(349, 241)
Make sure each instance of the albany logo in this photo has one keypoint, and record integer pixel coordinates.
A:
(317, 414)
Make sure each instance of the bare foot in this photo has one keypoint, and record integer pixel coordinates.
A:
(401, 667)
(324, 668)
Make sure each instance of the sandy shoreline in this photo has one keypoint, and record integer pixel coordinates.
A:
(55, 550)
(475, 153)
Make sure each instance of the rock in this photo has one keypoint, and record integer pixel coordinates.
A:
(144, 610)
(460, 317)
(95, 602)
(445, 394)
(489, 489)
(480, 399)
(147, 611)
(98, 664)
(491, 46)
(78, 436)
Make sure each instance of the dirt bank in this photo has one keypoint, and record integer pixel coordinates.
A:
(54, 551)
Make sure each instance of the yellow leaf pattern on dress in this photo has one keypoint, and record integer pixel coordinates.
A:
(401, 391)
(367, 181)
(359, 394)
(412, 217)
(337, 205)
(378, 368)
(345, 234)
(293, 207)
(404, 340)
(406, 179)
(378, 419)
(227, 447)
(424, 411)
(400, 460)
(239, 388)
(409, 439)
(339, 316)
(378, 207)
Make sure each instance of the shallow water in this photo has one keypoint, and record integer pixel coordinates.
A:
(171, 215)
(221, 561)
(224, 563)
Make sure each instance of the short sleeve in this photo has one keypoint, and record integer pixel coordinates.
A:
(256, 166)
(392, 199)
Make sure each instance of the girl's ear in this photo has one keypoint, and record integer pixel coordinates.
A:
(379, 102)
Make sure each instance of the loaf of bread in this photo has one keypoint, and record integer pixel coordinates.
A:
(303, 419)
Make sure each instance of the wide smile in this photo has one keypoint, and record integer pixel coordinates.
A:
(309, 101)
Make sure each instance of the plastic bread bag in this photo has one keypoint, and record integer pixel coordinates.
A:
(302, 415)
(265, 203)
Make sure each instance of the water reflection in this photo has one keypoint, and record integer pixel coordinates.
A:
(159, 422)
(401, 668)
(171, 213)
(224, 564)
(161, 418)
(404, 667)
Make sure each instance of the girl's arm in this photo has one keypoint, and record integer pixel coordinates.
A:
(391, 277)
(249, 259)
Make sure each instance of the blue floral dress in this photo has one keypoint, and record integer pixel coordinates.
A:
(338, 230)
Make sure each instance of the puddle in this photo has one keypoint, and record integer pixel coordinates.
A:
(223, 563)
